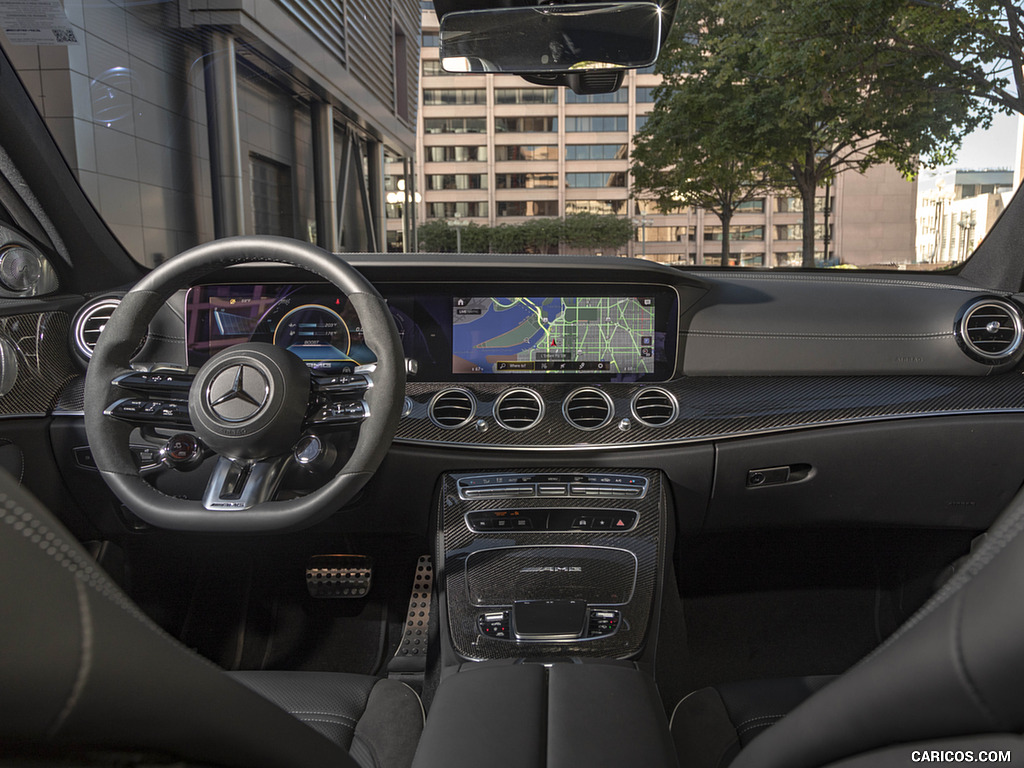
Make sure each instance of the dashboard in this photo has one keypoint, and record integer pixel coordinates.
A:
(468, 332)
(748, 372)
(584, 354)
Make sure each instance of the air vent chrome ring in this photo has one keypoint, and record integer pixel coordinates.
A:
(990, 330)
(588, 408)
(654, 407)
(519, 409)
(452, 408)
(90, 322)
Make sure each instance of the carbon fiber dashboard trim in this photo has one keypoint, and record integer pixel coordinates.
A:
(44, 361)
(721, 407)
(455, 543)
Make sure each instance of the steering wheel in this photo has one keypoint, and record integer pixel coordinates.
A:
(250, 404)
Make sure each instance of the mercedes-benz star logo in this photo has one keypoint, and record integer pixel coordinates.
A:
(238, 392)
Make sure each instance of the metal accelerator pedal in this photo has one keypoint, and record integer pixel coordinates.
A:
(410, 659)
(339, 575)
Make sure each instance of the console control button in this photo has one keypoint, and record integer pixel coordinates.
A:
(602, 622)
(605, 484)
(494, 625)
(583, 523)
(552, 489)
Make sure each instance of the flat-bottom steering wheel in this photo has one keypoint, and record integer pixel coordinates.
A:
(250, 403)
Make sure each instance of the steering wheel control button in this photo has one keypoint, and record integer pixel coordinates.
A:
(308, 450)
(150, 412)
(170, 382)
(183, 452)
(238, 392)
(341, 414)
(339, 575)
(343, 384)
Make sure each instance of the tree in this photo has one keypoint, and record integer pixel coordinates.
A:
(695, 148)
(980, 41)
(476, 238)
(851, 99)
(591, 231)
(817, 89)
(539, 235)
(542, 235)
(436, 236)
(508, 238)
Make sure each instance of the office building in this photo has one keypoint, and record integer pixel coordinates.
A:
(958, 211)
(309, 103)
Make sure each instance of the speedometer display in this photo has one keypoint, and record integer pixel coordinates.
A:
(315, 334)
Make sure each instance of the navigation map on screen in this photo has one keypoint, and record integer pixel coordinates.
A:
(606, 334)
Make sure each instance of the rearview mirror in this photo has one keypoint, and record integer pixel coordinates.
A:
(552, 38)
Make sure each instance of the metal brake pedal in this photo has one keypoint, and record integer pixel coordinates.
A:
(339, 575)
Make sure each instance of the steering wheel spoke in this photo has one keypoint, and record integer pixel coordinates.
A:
(235, 486)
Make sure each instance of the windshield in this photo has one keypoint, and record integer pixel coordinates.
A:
(335, 123)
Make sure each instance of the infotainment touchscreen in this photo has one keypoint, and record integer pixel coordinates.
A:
(554, 334)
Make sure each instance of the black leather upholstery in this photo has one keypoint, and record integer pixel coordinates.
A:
(82, 669)
(711, 726)
(346, 709)
(953, 674)
(511, 715)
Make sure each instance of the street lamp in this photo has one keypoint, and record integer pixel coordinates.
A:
(643, 222)
(458, 223)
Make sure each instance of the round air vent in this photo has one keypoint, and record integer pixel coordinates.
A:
(990, 330)
(452, 408)
(588, 408)
(654, 407)
(90, 322)
(518, 409)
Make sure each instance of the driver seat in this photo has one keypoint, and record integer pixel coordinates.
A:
(84, 673)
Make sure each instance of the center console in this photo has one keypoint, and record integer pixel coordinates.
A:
(559, 715)
(550, 563)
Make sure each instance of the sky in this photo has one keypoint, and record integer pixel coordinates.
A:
(994, 148)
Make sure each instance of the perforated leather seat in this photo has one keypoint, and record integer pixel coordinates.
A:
(950, 679)
(84, 671)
